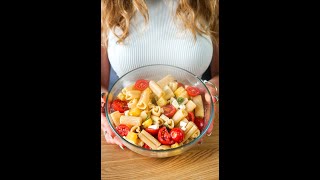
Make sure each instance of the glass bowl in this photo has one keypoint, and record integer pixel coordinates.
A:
(155, 73)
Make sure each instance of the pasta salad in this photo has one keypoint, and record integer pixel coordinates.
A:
(158, 115)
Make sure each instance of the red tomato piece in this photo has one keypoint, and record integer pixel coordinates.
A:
(153, 132)
(169, 110)
(199, 122)
(146, 146)
(123, 129)
(177, 135)
(164, 136)
(141, 84)
(190, 116)
(193, 91)
(118, 105)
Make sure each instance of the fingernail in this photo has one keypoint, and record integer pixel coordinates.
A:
(209, 134)
(121, 147)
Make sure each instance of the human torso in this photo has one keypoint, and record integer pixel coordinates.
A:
(161, 41)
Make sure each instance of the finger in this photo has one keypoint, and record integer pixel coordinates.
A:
(103, 122)
(209, 132)
(103, 103)
(118, 141)
(109, 139)
(200, 141)
(105, 125)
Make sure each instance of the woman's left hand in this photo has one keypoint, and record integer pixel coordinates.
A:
(214, 91)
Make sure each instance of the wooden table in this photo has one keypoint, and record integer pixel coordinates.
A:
(200, 162)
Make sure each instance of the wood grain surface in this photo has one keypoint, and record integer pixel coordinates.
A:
(200, 162)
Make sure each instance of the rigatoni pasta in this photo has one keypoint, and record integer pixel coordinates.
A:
(131, 120)
(165, 81)
(179, 115)
(144, 99)
(190, 106)
(132, 94)
(156, 89)
(115, 116)
(199, 110)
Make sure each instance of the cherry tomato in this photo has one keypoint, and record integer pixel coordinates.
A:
(177, 135)
(190, 116)
(193, 91)
(153, 132)
(199, 122)
(146, 146)
(141, 84)
(164, 136)
(119, 105)
(123, 129)
(169, 110)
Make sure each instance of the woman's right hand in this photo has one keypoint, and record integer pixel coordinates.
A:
(110, 137)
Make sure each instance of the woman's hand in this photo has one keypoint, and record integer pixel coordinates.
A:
(213, 87)
(110, 137)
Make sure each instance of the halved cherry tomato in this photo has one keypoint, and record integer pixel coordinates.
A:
(199, 122)
(119, 105)
(146, 146)
(177, 135)
(169, 110)
(164, 136)
(192, 91)
(141, 84)
(190, 116)
(153, 132)
(123, 129)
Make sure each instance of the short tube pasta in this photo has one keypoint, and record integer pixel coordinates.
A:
(151, 138)
(115, 116)
(195, 134)
(144, 99)
(140, 143)
(179, 115)
(199, 110)
(162, 102)
(189, 133)
(168, 92)
(188, 127)
(121, 96)
(163, 147)
(131, 120)
(155, 88)
(190, 106)
(148, 139)
(165, 81)
(133, 94)
(173, 85)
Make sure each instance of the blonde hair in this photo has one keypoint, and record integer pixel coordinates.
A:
(199, 16)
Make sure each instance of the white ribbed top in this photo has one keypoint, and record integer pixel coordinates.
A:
(162, 40)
